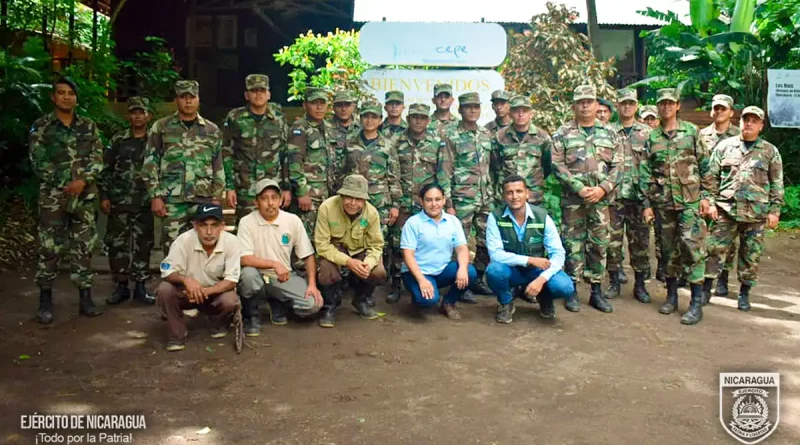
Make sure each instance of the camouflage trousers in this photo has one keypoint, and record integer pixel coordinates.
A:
(730, 254)
(683, 248)
(585, 232)
(66, 224)
(309, 218)
(395, 233)
(129, 237)
(657, 234)
(721, 238)
(473, 220)
(244, 206)
(177, 221)
(626, 219)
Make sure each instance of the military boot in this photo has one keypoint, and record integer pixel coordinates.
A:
(572, 303)
(120, 294)
(744, 297)
(614, 285)
(671, 304)
(707, 283)
(251, 317)
(141, 295)
(277, 313)
(362, 306)
(394, 295)
(479, 287)
(695, 312)
(623, 279)
(597, 300)
(86, 306)
(722, 284)
(45, 312)
(661, 271)
(331, 300)
(639, 289)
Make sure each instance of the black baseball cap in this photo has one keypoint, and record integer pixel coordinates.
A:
(205, 211)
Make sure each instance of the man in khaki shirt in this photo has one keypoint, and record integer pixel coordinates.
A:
(200, 272)
(349, 244)
(267, 237)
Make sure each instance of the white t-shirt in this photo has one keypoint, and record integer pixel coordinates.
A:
(274, 240)
(188, 258)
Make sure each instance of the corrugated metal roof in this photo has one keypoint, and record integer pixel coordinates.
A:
(609, 12)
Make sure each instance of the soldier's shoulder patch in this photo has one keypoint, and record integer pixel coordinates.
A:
(165, 266)
(297, 132)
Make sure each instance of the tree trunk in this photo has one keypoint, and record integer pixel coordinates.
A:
(593, 27)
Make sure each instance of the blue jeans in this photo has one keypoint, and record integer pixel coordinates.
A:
(444, 279)
(502, 278)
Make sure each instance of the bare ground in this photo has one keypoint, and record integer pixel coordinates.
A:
(631, 377)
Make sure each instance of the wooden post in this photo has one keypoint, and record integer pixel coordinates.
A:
(592, 27)
(192, 32)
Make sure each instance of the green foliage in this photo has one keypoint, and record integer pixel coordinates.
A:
(331, 61)
(155, 71)
(790, 213)
(777, 25)
(26, 15)
(549, 61)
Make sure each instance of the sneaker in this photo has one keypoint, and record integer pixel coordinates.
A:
(547, 309)
(252, 327)
(277, 314)
(219, 331)
(505, 313)
(176, 345)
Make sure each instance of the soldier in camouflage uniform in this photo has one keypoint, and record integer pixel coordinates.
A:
(649, 116)
(671, 171)
(346, 127)
(721, 129)
(746, 184)
(588, 160)
(183, 164)
(254, 147)
(123, 197)
(394, 124)
(501, 108)
(604, 111)
(423, 160)
(313, 159)
(473, 190)
(66, 155)
(442, 119)
(625, 214)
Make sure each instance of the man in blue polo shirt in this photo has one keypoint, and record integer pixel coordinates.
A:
(525, 250)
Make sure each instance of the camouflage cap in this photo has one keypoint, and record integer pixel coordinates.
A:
(344, 96)
(469, 99)
(521, 101)
(371, 107)
(256, 81)
(314, 93)
(606, 103)
(752, 109)
(442, 88)
(667, 94)
(649, 110)
(627, 94)
(265, 184)
(187, 86)
(584, 92)
(500, 95)
(355, 186)
(395, 95)
(420, 110)
(136, 102)
(722, 99)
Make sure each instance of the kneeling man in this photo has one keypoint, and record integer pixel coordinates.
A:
(200, 272)
(525, 250)
(349, 244)
(267, 237)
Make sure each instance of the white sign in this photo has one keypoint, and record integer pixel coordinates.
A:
(749, 404)
(417, 86)
(783, 98)
(433, 44)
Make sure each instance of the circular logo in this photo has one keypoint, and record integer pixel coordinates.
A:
(363, 222)
(286, 238)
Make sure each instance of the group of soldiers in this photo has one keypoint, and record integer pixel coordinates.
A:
(616, 179)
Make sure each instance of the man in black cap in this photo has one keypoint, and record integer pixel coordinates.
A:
(200, 272)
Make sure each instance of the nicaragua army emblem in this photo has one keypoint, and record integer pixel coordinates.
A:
(749, 405)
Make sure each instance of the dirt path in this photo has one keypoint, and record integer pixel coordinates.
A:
(631, 377)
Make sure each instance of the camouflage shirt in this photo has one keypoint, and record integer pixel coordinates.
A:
(746, 183)
(471, 151)
(390, 131)
(582, 159)
(184, 164)
(633, 149)
(710, 138)
(61, 154)
(494, 126)
(377, 161)
(421, 163)
(121, 180)
(528, 157)
(254, 149)
(672, 168)
(313, 165)
(442, 126)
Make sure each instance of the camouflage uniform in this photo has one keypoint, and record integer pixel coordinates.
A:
(582, 159)
(313, 161)
(670, 181)
(496, 125)
(388, 130)
(472, 185)
(254, 149)
(60, 155)
(183, 166)
(341, 134)
(129, 233)
(527, 155)
(442, 126)
(746, 185)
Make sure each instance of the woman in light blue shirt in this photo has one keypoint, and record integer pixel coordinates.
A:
(427, 242)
